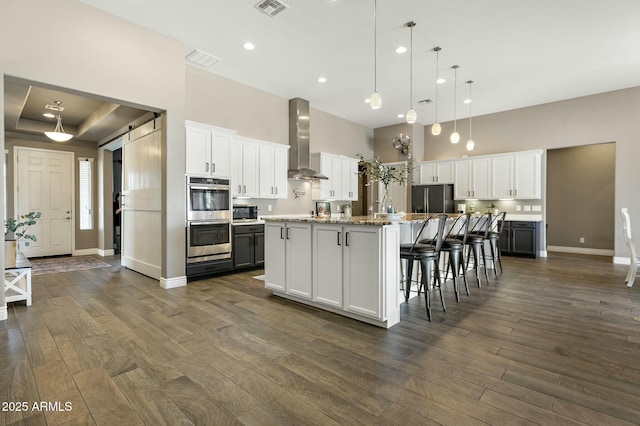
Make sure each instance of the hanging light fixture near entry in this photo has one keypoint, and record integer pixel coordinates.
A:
(435, 128)
(471, 145)
(455, 136)
(58, 134)
(411, 114)
(376, 99)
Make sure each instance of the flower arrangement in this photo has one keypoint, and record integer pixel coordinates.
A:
(20, 227)
(384, 173)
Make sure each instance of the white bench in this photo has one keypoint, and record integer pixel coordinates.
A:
(17, 281)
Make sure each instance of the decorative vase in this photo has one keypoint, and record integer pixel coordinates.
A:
(386, 205)
(9, 254)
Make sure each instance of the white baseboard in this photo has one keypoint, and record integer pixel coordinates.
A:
(3, 313)
(168, 283)
(622, 260)
(578, 250)
(85, 252)
(104, 253)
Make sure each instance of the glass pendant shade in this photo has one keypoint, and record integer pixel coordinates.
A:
(436, 129)
(376, 100)
(411, 116)
(455, 137)
(471, 145)
(58, 134)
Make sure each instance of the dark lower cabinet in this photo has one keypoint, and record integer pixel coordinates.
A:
(519, 239)
(248, 246)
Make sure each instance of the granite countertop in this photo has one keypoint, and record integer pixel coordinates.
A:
(382, 220)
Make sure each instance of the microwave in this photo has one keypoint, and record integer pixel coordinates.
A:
(245, 213)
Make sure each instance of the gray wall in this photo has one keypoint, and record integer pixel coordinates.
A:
(580, 196)
(603, 118)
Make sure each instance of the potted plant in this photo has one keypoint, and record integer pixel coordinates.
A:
(385, 174)
(16, 230)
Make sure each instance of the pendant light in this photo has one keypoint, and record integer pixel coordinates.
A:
(376, 99)
(58, 134)
(435, 128)
(455, 136)
(471, 145)
(411, 114)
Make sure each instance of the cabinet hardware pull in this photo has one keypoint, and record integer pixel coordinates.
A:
(276, 188)
(281, 235)
(213, 167)
(287, 233)
(272, 190)
(515, 192)
(244, 189)
(339, 243)
(346, 238)
(206, 167)
(239, 189)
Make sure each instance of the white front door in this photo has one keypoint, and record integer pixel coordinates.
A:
(44, 183)
(141, 203)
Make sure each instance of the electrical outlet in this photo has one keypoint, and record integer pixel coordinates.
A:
(536, 208)
(269, 208)
(581, 240)
(527, 208)
(518, 208)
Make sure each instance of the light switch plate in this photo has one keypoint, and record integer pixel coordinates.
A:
(536, 208)
(518, 208)
(527, 208)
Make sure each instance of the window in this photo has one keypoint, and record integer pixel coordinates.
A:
(86, 193)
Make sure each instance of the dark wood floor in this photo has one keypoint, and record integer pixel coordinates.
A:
(552, 341)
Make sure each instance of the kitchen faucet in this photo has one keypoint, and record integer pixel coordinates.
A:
(371, 206)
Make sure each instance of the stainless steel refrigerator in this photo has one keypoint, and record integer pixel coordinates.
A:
(432, 199)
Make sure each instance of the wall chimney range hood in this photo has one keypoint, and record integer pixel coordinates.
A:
(299, 142)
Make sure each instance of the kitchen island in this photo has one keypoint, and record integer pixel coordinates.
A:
(349, 266)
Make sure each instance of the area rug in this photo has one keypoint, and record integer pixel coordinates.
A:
(56, 265)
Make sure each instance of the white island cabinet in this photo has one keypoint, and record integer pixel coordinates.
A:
(288, 258)
(355, 266)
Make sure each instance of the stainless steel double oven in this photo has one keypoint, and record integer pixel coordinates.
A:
(208, 219)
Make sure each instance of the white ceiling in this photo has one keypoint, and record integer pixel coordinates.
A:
(519, 52)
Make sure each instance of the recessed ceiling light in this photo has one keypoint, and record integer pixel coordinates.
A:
(322, 80)
(249, 46)
(401, 49)
(440, 80)
(467, 101)
(400, 115)
(367, 101)
(49, 115)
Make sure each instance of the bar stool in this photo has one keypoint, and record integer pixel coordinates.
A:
(493, 235)
(453, 244)
(427, 255)
(475, 244)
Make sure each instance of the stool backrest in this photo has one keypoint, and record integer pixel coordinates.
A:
(442, 223)
(460, 227)
(497, 222)
(482, 225)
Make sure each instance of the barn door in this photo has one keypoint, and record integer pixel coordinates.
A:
(141, 203)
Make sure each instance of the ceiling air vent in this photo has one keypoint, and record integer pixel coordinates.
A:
(202, 59)
(271, 7)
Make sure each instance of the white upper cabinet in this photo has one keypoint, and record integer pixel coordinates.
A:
(436, 172)
(244, 167)
(274, 162)
(342, 173)
(208, 150)
(517, 175)
(473, 179)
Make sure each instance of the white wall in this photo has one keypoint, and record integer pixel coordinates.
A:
(69, 45)
(607, 117)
